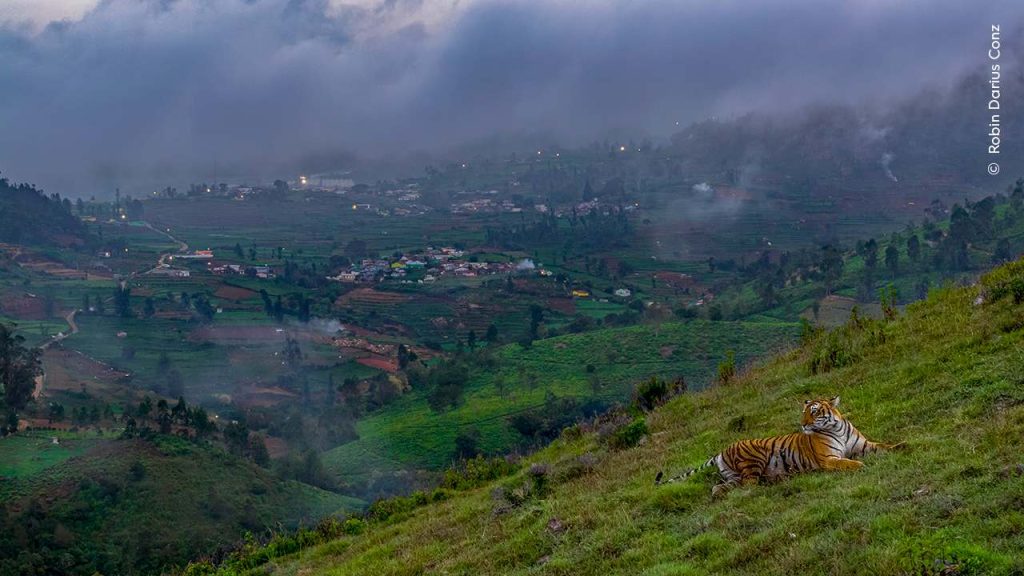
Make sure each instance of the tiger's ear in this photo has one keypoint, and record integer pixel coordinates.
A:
(834, 401)
(806, 402)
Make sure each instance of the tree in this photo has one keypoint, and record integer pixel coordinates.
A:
(278, 309)
(536, 317)
(871, 254)
(236, 436)
(405, 356)
(1002, 253)
(145, 408)
(180, 411)
(258, 451)
(467, 444)
(892, 258)
(492, 334)
(238, 251)
(149, 309)
(203, 308)
(292, 353)
(122, 301)
(280, 191)
(471, 340)
(447, 382)
(831, 266)
(913, 248)
(163, 416)
(19, 367)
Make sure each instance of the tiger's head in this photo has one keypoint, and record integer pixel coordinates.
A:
(820, 415)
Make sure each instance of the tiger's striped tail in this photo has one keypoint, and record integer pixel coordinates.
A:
(658, 481)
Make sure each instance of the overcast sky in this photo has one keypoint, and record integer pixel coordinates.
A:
(123, 92)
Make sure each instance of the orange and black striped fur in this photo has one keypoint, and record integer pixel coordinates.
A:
(827, 442)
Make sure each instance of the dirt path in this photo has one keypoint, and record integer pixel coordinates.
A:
(40, 380)
(182, 247)
(72, 329)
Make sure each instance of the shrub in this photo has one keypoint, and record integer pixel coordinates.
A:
(653, 392)
(727, 368)
(629, 435)
(476, 472)
(578, 467)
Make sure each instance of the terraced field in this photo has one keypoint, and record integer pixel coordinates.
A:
(409, 434)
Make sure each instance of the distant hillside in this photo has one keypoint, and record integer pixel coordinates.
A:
(93, 504)
(28, 216)
(945, 378)
(555, 379)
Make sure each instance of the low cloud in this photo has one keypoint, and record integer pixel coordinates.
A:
(138, 93)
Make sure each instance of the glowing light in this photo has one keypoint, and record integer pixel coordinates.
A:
(354, 206)
(622, 148)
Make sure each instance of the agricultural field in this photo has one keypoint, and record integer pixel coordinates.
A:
(599, 367)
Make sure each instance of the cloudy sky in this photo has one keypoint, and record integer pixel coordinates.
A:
(98, 93)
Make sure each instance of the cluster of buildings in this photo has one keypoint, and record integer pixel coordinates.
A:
(261, 271)
(433, 263)
(479, 205)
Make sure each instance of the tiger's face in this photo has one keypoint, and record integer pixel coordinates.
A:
(820, 415)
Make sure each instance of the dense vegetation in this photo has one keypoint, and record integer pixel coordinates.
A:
(90, 502)
(29, 216)
(944, 378)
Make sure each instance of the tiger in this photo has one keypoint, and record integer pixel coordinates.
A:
(827, 441)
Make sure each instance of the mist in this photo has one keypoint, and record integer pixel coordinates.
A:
(146, 93)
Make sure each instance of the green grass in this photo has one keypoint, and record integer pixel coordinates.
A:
(408, 433)
(946, 378)
(24, 455)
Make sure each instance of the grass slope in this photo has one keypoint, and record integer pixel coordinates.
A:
(408, 432)
(946, 378)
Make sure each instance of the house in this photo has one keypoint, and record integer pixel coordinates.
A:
(348, 276)
(171, 272)
(263, 272)
(198, 255)
(623, 293)
(580, 293)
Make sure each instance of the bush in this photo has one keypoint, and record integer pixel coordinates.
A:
(727, 368)
(477, 472)
(653, 392)
(629, 435)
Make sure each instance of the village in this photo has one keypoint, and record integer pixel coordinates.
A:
(428, 266)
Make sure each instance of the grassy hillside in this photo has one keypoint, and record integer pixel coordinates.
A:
(94, 503)
(602, 365)
(946, 378)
